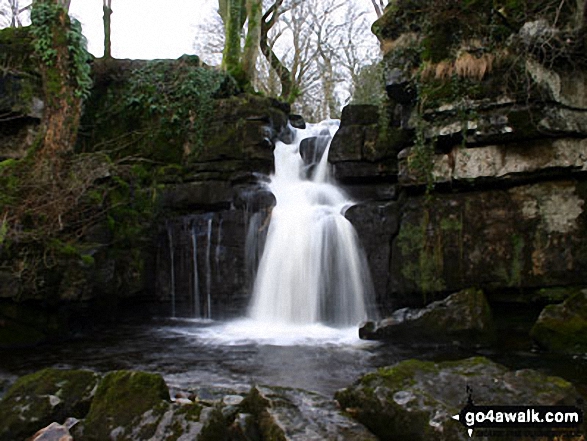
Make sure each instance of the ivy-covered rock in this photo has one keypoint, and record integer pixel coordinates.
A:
(415, 400)
(464, 316)
(563, 327)
(36, 400)
(21, 94)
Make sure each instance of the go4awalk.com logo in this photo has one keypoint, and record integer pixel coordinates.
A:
(520, 420)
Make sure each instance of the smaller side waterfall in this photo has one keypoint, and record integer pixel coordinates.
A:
(190, 264)
(172, 269)
(196, 309)
(209, 270)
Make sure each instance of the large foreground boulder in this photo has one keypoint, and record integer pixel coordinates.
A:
(38, 399)
(414, 400)
(136, 406)
(121, 398)
(464, 316)
(563, 327)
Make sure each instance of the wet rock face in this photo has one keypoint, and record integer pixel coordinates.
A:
(415, 400)
(464, 317)
(206, 263)
(528, 236)
(563, 327)
(376, 223)
(358, 152)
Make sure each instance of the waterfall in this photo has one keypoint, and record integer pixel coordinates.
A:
(172, 270)
(196, 289)
(208, 270)
(312, 269)
(217, 250)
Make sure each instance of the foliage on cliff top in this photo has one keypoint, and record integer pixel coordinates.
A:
(157, 110)
(472, 18)
(44, 16)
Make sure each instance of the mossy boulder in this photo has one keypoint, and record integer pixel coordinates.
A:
(135, 406)
(36, 400)
(563, 327)
(464, 316)
(121, 399)
(415, 399)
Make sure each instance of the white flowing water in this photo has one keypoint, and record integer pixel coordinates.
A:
(209, 271)
(312, 269)
(195, 280)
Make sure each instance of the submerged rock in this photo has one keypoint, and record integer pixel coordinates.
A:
(36, 400)
(563, 327)
(464, 316)
(414, 400)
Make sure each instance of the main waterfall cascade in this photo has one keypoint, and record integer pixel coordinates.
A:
(312, 269)
(304, 276)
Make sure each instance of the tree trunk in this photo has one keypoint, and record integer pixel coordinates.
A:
(253, 40)
(269, 19)
(107, 29)
(61, 115)
(234, 15)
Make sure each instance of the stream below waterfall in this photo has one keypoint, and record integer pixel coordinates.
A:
(194, 354)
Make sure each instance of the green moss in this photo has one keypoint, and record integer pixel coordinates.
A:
(121, 398)
(422, 256)
(36, 400)
(255, 404)
(160, 110)
(563, 327)
(517, 260)
(216, 428)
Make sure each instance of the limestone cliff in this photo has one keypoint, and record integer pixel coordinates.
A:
(485, 121)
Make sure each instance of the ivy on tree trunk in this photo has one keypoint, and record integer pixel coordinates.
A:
(63, 101)
(253, 40)
(233, 13)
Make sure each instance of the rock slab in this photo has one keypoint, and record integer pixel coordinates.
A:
(414, 400)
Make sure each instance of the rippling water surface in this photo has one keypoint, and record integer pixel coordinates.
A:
(192, 354)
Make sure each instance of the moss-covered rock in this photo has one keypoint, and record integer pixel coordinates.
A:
(528, 236)
(281, 414)
(36, 400)
(121, 399)
(415, 399)
(563, 327)
(464, 316)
